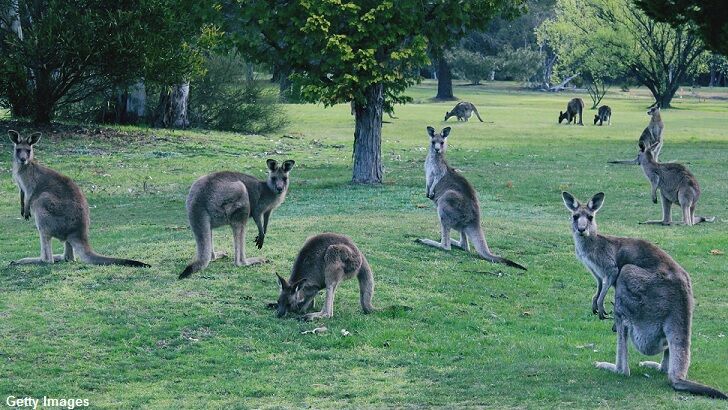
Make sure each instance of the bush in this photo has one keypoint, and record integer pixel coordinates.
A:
(225, 99)
(520, 64)
(472, 66)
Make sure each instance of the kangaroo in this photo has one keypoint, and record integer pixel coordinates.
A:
(653, 301)
(58, 206)
(575, 106)
(463, 110)
(604, 114)
(677, 185)
(651, 136)
(230, 198)
(457, 203)
(324, 262)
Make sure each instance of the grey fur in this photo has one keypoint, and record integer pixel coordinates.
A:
(463, 110)
(651, 135)
(676, 184)
(653, 301)
(58, 207)
(457, 203)
(604, 114)
(230, 198)
(325, 260)
(574, 107)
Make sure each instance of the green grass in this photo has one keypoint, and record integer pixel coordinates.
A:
(447, 333)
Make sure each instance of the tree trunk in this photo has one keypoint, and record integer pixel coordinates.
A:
(368, 137)
(172, 108)
(444, 80)
(43, 99)
(249, 72)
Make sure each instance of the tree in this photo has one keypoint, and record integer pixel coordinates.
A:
(708, 17)
(363, 51)
(56, 52)
(600, 37)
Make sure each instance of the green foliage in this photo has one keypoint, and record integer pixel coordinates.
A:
(67, 51)
(472, 66)
(605, 39)
(520, 64)
(223, 99)
(339, 49)
(510, 64)
(710, 17)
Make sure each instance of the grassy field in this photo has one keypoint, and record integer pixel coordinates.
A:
(451, 330)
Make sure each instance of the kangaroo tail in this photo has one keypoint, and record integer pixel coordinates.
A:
(697, 388)
(203, 238)
(631, 162)
(366, 286)
(481, 247)
(87, 254)
(477, 114)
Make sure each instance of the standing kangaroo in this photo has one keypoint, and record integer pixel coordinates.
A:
(604, 114)
(463, 110)
(574, 107)
(677, 185)
(653, 300)
(651, 136)
(323, 263)
(230, 198)
(58, 206)
(457, 203)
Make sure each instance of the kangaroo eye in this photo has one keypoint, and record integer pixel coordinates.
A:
(285, 179)
(589, 217)
(576, 217)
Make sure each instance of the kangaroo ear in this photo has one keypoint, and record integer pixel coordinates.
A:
(282, 281)
(14, 136)
(445, 132)
(296, 286)
(288, 164)
(596, 202)
(34, 138)
(642, 146)
(571, 203)
(272, 164)
(430, 131)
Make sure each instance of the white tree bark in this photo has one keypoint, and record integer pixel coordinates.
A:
(136, 101)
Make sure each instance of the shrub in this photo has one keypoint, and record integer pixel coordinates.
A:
(223, 98)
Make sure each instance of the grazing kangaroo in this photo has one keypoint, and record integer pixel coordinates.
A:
(653, 300)
(604, 114)
(463, 110)
(230, 198)
(677, 185)
(651, 136)
(574, 107)
(58, 206)
(457, 203)
(324, 262)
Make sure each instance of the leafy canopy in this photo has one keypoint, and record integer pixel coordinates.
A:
(709, 17)
(337, 49)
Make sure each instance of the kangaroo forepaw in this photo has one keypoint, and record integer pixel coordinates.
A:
(259, 241)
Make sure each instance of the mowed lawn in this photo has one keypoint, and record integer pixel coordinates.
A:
(451, 330)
